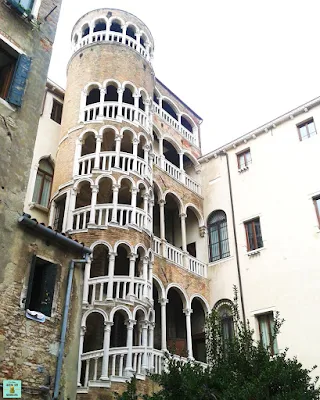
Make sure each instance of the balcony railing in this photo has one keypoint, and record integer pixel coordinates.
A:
(125, 215)
(190, 136)
(176, 256)
(120, 290)
(177, 174)
(109, 36)
(110, 110)
(126, 162)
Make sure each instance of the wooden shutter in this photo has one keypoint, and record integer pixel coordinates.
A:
(30, 283)
(19, 80)
(47, 290)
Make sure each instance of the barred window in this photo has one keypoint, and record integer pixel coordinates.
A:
(218, 236)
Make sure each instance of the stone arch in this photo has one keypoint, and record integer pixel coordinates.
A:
(196, 212)
(99, 24)
(170, 107)
(92, 85)
(124, 242)
(110, 176)
(160, 286)
(187, 122)
(101, 242)
(202, 300)
(114, 20)
(129, 178)
(182, 293)
(81, 180)
(95, 310)
(120, 308)
(139, 308)
(83, 134)
(179, 201)
(173, 142)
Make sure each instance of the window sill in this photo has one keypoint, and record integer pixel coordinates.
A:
(6, 109)
(220, 261)
(39, 207)
(255, 252)
(243, 169)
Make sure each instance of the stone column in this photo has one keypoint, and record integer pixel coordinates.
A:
(94, 194)
(179, 118)
(117, 150)
(120, 99)
(83, 101)
(106, 347)
(86, 281)
(101, 105)
(132, 260)
(145, 262)
(133, 205)
(136, 97)
(182, 171)
(135, 143)
(82, 333)
(115, 189)
(188, 313)
(184, 240)
(128, 369)
(163, 303)
(65, 214)
(112, 259)
(124, 33)
(150, 272)
(146, 149)
(72, 205)
(77, 155)
(144, 327)
(162, 157)
(151, 344)
(97, 154)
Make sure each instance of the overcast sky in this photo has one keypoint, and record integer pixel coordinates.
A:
(237, 63)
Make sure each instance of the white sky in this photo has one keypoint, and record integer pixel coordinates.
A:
(237, 63)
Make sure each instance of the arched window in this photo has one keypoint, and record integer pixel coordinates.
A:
(42, 188)
(218, 236)
(225, 310)
(99, 26)
(85, 30)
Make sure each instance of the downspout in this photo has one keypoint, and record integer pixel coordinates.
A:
(235, 239)
(64, 326)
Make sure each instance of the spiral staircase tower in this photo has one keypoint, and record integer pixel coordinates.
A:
(126, 183)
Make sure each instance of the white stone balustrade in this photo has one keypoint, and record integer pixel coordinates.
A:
(103, 217)
(107, 161)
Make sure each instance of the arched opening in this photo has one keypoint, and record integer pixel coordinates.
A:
(155, 98)
(141, 144)
(224, 308)
(192, 232)
(169, 109)
(119, 329)
(198, 330)
(176, 324)
(85, 30)
(170, 153)
(189, 167)
(83, 198)
(111, 92)
(93, 96)
(99, 25)
(131, 32)
(128, 95)
(124, 196)
(157, 311)
(108, 141)
(100, 261)
(93, 338)
(142, 100)
(186, 123)
(138, 267)
(172, 220)
(126, 142)
(75, 39)
(142, 191)
(105, 193)
(88, 144)
(218, 236)
(122, 262)
(156, 213)
(116, 26)
(137, 329)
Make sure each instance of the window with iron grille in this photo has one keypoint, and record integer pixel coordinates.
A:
(42, 188)
(316, 202)
(266, 331)
(41, 286)
(218, 236)
(244, 158)
(56, 112)
(253, 234)
(307, 129)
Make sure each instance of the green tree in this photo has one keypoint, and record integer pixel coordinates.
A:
(238, 369)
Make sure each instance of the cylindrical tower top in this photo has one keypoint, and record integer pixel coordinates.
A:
(113, 25)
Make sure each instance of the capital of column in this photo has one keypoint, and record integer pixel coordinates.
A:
(83, 330)
(94, 188)
(115, 187)
(152, 325)
(117, 137)
(99, 139)
(163, 302)
(146, 102)
(187, 311)
(130, 323)
(146, 147)
(133, 190)
(133, 256)
(120, 90)
(161, 202)
(103, 90)
(135, 141)
(112, 256)
(203, 230)
(183, 216)
(107, 325)
(136, 95)
(144, 324)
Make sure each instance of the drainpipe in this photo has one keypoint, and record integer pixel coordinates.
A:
(64, 325)
(235, 239)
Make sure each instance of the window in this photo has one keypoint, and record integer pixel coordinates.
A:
(266, 331)
(56, 111)
(244, 159)
(60, 206)
(42, 188)
(41, 286)
(218, 236)
(306, 129)
(253, 234)
(14, 69)
(316, 202)
(227, 324)
(22, 6)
